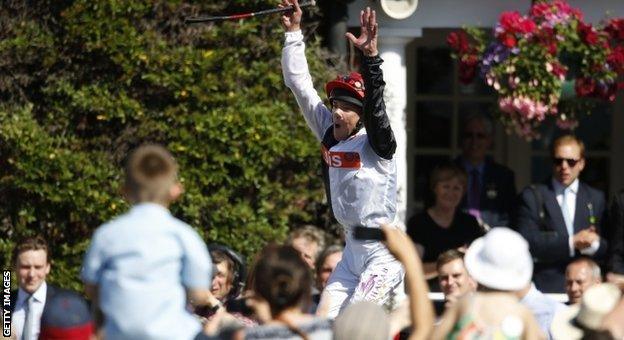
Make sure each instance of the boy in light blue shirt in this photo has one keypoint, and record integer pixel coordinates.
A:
(143, 265)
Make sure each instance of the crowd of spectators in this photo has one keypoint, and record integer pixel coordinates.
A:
(199, 291)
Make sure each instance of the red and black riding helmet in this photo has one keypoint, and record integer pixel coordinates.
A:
(348, 88)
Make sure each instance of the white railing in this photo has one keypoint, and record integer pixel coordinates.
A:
(563, 298)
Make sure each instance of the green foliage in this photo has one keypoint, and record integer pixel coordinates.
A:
(83, 82)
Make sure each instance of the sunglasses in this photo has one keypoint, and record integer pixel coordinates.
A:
(571, 162)
(478, 135)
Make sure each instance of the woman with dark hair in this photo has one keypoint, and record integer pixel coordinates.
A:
(442, 226)
(281, 282)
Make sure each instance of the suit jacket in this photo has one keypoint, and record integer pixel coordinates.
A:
(50, 292)
(549, 243)
(616, 232)
(498, 193)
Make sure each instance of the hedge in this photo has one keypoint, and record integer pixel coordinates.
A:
(83, 82)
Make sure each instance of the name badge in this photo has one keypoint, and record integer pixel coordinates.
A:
(338, 159)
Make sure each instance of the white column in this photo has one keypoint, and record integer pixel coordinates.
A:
(392, 51)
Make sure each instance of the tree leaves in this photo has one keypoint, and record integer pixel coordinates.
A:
(84, 82)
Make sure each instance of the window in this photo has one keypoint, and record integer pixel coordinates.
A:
(437, 104)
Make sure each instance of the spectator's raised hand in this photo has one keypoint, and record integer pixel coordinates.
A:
(291, 20)
(399, 244)
(421, 310)
(367, 41)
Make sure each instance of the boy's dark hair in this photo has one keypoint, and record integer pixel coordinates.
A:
(150, 172)
(282, 278)
(31, 243)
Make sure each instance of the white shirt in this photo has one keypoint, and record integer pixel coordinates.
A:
(19, 314)
(571, 205)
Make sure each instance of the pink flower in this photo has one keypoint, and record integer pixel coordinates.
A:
(565, 123)
(554, 12)
(525, 107)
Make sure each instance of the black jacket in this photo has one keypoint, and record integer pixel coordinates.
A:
(548, 238)
(616, 239)
(498, 194)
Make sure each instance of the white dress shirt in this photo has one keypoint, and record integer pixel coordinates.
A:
(19, 315)
(571, 206)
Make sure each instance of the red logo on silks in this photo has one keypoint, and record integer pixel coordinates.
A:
(338, 159)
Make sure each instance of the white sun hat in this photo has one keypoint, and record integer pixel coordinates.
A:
(595, 304)
(500, 260)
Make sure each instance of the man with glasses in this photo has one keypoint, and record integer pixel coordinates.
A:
(491, 193)
(562, 218)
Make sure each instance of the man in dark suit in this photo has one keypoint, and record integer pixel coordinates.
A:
(32, 265)
(491, 192)
(562, 218)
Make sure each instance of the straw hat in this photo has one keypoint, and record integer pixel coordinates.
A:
(595, 304)
(500, 260)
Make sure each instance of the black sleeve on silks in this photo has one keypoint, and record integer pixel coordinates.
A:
(374, 117)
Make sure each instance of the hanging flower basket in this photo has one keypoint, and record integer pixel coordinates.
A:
(549, 64)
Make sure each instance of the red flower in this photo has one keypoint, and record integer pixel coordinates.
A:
(540, 9)
(615, 28)
(546, 37)
(577, 14)
(513, 22)
(508, 40)
(527, 26)
(584, 87)
(559, 70)
(587, 33)
(509, 20)
(458, 41)
(552, 47)
(468, 68)
(616, 59)
(564, 7)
